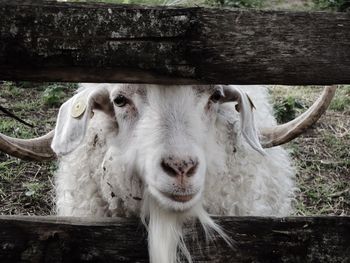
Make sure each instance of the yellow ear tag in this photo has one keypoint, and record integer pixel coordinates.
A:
(78, 109)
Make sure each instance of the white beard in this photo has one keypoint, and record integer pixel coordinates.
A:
(165, 230)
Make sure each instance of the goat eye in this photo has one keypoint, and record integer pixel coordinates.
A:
(216, 96)
(120, 101)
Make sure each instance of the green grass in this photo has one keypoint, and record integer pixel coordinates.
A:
(26, 187)
(286, 109)
(321, 155)
(236, 3)
(342, 101)
(33, 189)
(53, 95)
(335, 5)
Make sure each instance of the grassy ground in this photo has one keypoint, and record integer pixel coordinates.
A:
(25, 187)
(322, 155)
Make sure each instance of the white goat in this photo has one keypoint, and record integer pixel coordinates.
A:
(170, 155)
(173, 154)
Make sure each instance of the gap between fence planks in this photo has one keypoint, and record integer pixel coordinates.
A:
(257, 239)
(95, 42)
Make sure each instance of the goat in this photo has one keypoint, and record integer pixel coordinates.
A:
(170, 155)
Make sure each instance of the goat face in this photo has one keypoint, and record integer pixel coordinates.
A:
(165, 135)
(171, 129)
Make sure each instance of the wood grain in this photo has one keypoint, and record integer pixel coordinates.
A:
(96, 42)
(257, 239)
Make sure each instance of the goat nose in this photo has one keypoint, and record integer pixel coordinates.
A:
(179, 167)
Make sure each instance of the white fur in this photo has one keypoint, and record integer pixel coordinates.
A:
(115, 169)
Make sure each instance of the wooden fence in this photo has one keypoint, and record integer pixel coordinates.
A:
(294, 239)
(49, 41)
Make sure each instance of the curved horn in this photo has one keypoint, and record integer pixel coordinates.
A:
(280, 134)
(37, 149)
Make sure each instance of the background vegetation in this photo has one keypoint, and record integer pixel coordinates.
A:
(322, 155)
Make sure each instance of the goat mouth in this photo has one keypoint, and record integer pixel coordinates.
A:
(179, 198)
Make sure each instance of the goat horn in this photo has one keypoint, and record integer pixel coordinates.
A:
(37, 149)
(280, 134)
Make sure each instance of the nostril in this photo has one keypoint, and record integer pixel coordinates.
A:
(178, 167)
(192, 169)
(168, 168)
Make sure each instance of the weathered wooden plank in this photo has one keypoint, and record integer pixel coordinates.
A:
(257, 239)
(49, 41)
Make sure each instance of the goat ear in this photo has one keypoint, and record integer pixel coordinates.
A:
(73, 118)
(245, 107)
